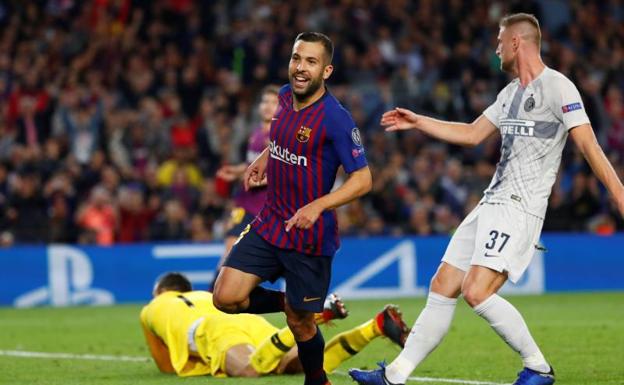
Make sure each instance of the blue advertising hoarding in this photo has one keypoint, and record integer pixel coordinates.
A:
(66, 275)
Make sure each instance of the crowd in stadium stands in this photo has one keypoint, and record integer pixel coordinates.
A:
(116, 114)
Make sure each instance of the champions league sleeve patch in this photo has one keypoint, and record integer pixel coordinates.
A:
(571, 107)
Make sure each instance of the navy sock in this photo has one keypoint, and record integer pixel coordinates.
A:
(262, 301)
(311, 358)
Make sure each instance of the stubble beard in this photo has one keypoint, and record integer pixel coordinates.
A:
(508, 66)
(304, 95)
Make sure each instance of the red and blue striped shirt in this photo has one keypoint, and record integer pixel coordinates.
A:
(306, 148)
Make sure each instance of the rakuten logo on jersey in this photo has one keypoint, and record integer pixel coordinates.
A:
(517, 127)
(283, 155)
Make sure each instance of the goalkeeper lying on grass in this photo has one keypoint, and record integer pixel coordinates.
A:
(188, 336)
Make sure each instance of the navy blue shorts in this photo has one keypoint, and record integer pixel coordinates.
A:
(239, 219)
(307, 276)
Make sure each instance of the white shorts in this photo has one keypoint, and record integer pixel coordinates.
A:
(497, 236)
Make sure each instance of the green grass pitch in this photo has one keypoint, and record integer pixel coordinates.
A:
(581, 334)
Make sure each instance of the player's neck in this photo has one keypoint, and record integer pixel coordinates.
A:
(266, 125)
(529, 69)
(299, 104)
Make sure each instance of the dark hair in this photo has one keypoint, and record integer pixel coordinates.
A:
(317, 37)
(270, 89)
(173, 281)
(517, 18)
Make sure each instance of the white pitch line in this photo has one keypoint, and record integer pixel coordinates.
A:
(70, 356)
(96, 357)
(445, 380)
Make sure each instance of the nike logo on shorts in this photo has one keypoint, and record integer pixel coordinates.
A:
(491, 255)
(307, 299)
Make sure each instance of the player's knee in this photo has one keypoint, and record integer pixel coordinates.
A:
(474, 295)
(444, 287)
(438, 285)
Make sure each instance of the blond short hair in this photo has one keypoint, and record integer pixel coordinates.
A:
(518, 18)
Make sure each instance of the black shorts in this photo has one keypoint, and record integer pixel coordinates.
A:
(307, 276)
(239, 219)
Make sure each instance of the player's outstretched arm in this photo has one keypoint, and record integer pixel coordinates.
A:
(585, 139)
(255, 175)
(463, 134)
(359, 183)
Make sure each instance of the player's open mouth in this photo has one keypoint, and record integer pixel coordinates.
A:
(301, 81)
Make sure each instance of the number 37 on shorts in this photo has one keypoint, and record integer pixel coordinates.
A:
(497, 236)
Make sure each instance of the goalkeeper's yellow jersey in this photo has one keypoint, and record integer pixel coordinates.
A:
(169, 316)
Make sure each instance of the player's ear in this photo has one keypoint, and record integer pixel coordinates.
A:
(327, 71)
(515, 42)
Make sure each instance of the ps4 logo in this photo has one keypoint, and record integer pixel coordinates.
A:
(70, 276)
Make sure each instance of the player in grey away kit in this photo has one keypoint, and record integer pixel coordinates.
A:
(534, 115)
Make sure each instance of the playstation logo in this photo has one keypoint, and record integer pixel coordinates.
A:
(70, 275)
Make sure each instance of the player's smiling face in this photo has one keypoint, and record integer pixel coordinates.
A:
(308, 69)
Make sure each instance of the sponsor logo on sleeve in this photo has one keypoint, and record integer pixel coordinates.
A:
(571, 107)
(357, 152)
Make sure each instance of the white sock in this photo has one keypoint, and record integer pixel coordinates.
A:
(428, 331)
(509, 324)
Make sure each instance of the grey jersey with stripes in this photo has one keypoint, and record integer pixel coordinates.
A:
(534, 124)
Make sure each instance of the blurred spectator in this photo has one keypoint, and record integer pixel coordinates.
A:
(212, 206)
(60, 195)
(81, 123)
(199, 232)
(584, 201)
(134, 215)
(170, 225)
(61, 228)
(26, 209)
(182, 160)
(419, 221)
(181, 190)
(97, 218)
(454, 191)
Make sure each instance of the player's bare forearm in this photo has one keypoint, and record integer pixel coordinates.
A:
(585, 139)
(463, 134)
(359, 183)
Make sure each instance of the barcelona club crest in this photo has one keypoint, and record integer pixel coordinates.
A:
(303, 135)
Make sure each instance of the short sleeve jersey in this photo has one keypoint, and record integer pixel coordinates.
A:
(306, 148)
(534, 123)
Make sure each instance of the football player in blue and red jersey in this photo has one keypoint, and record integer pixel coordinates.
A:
(295, 236)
